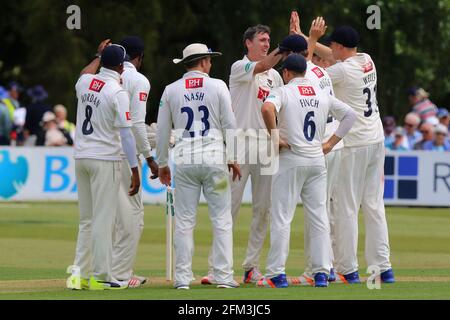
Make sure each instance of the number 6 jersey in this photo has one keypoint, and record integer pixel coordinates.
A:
(355, 83)
(103, 108)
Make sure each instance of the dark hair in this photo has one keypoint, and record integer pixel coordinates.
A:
(193, 63)
(250, 33)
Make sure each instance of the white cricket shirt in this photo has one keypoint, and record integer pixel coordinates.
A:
(103, 108)
(354, 82)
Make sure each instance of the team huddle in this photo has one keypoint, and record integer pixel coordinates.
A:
(319, 119)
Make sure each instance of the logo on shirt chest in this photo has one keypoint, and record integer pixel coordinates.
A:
(263, 94)
(142, 96)
(317, 72)
(193, 83)
(96, 85)
(306, 90)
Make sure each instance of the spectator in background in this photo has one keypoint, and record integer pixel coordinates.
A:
(440, 141)
(51, 135)
(5, 125)
(35, 111)
(411, 124)
(426, 129)
(388, 127)
(420, 104)
(444, 117)
(18, 112)
(399, 140)
(61, 119)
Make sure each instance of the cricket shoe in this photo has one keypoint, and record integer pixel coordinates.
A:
(182, 287)
(228, 285)
(77, 283)
(279, 281)
(350, 278)
(303, 280)
(136, 281)
(96, 285)
(332, 276)
(387, 276)
(252, 275)
(208, 279)
(320, 280)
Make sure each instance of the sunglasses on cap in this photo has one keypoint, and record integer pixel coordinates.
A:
(124, 51)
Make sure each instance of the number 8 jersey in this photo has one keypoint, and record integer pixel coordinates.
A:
(355, 83)
(103, 107)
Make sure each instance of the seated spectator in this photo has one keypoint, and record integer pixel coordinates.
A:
(440, 141)
(420, 104)
(412, 121)
(35, 111)
(5, 125)
(388, 127)
(61, 119)
(444, 117)
(51, 135)
(399, 140)
(426, 129)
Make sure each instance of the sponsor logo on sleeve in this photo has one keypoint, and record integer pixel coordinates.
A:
(161, 103)
(317, 72)
(142, 96)
(96, 85)
(248, 66)
(306, 90)
(193, 83)
(263, 94)
(127, 115)
(368, 67)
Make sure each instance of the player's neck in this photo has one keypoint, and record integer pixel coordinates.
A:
(198, 69)
(349, 54)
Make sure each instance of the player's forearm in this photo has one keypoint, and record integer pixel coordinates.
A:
(268, 114)
(129, 146)
(268, 62)
(142, 143)
(92, 67)
(321, 50)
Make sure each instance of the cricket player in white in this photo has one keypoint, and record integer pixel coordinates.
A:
(130, 212)
(302, 112)
(251, 80)
(199, 108)
(102, 132)
(360, 178)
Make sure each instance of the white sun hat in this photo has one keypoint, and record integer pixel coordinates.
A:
(196, 51)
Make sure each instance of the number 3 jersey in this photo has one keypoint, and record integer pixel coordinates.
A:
(199, 108)
(302, 111)
(103, 108)
(354, 82)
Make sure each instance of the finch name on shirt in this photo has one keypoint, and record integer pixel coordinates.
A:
(91, 98)
(309, 103)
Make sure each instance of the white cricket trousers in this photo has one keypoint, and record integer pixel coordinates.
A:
(311, 184)
(360, 184)
(189, 182)
(261, 190)
(333, 161)
(98, 185)
(129, 225)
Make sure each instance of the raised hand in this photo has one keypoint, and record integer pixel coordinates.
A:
(294, 23)
(318, 28)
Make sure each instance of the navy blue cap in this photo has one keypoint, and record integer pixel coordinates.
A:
(345, 35)
(133, 45)
(13, 85)
(412, 91)
(294, 43)
(113, 56)
(442, 112)
(294, 62)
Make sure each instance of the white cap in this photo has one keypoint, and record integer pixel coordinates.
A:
(433, 120)
(196, 51)
(48, 116)
(440, 128)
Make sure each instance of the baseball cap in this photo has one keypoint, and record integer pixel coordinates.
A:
(294, 62)
(345, 35)
(48, 116)
(440, 128)
(294, 43)
(196, 51)
(133, 45)
(113, 56)
(13, 85)
(442, 112)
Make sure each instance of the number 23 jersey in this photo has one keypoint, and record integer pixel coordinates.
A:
(103, 108)
(355, 83)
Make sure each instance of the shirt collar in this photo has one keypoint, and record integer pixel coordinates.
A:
(299, 80)
(129, 65)
(108, 73)
(195, 72)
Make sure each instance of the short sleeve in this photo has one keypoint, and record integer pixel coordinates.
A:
(242, 71)
(275, 97)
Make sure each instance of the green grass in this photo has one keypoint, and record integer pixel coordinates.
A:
(37, 242)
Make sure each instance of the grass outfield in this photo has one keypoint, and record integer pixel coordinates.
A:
(37, 242)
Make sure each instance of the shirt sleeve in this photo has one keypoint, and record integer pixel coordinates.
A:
(227, 121)
(163, 132)
(138, 110)
(122, 106)
(275, 98)
(345, 114)
(336, 73)
(242, 71)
